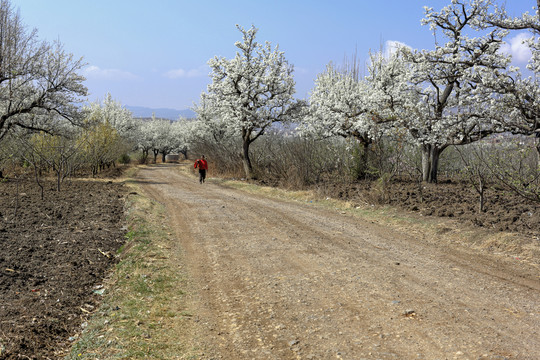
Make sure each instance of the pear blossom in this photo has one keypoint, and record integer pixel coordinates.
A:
(39, 81)
(519, 102)
(451, 81)
(112, 112)
(251, 91)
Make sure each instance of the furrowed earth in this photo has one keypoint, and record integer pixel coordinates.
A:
(54, 256)
(281, 279)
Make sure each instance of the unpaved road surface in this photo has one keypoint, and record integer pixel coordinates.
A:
(275, 279)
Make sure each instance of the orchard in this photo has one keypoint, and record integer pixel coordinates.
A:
(451, 131)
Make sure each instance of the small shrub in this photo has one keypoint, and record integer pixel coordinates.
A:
(142, 158)
(124, 159)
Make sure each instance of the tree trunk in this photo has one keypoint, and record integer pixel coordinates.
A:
(362, 166)
(435, 154)
(36, 174)
(430, 162)
(144, 158)
(156, 152)
(163, 156)
(481, 188)
(58, 180)
(248, 168)
(426, 163)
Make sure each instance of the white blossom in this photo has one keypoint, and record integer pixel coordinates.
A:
(112, 112)
(39, 81)
(251, 91)
(338, 106)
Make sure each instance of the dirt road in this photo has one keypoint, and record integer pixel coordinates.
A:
(288, 280)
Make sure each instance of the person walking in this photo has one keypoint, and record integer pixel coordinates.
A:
(203, 167)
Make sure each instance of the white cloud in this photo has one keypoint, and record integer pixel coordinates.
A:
(95, 72)
(520, 51)
(391, 46)
(175, 74)
(181, 73)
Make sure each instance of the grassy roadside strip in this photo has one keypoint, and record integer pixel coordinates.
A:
(144, 312)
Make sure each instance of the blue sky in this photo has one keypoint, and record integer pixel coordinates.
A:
(154, 53)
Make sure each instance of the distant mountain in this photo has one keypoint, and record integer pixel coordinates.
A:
(163, 113)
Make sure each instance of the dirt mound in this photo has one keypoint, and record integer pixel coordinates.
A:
(503, 211)
(55, 253)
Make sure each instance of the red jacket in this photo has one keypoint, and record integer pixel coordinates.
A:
(201, 164)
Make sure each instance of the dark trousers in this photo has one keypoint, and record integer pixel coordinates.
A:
(202, 175)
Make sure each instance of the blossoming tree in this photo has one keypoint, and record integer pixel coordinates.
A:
(455, 103)
(37, 78)
(251, 91)
(113, 113)
(339, 107)
(519, 103)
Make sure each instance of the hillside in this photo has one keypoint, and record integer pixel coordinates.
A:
(162, 113)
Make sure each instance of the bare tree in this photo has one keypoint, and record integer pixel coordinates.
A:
(475, 171)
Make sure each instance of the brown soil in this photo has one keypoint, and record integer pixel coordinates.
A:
(55, 254)
(503, 210)
(273, 279)
(276, 279)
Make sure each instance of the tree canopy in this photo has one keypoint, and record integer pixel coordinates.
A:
(37, 78)
(251, 91)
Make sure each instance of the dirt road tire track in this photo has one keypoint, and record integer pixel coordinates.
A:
(285, 280)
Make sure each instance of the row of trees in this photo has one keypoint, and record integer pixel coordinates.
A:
(462, 91)
(459, 93)
(107, 133)
(42, 122)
